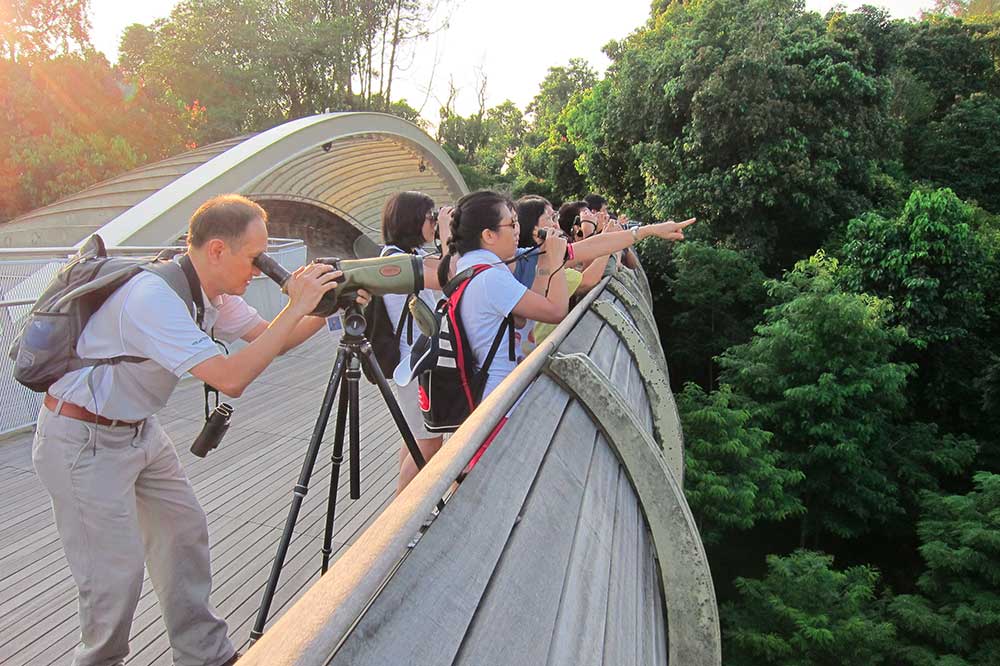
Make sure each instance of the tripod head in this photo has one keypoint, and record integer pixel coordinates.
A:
(353, 319)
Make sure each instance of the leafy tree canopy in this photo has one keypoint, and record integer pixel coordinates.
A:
(751, 116)
(38, 29)
(805, 613)
(715, 296)
(76, 123)
(732, 477)
(955, 619)
(962, 150)
(256, 63)
(929, 261)
(820, 370)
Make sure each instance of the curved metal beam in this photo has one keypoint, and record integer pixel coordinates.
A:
(666, 420)
(693, 626)
(162, 216)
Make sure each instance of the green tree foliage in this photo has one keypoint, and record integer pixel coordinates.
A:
(64, 161)
(945, 53)
(75, 122)
(38, 29)
(256, 63)
(715, 296)
(967, 7)
(962, 150)
(750, 115)
(820, 370)
(732, 477)
(484, 143)
(251, 64)
(929, 261)
(805, 613)
(940, 274)
(559, 86)
(546, 164)
(955, 620)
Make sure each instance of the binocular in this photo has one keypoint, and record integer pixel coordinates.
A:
(395, 274)
(213, 431)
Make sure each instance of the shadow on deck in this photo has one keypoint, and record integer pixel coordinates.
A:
(245, 487)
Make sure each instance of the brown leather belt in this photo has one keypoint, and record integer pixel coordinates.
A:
(69, 410)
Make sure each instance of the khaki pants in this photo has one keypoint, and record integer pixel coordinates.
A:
(120, 497)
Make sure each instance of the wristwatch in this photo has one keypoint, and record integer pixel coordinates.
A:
(635, 234)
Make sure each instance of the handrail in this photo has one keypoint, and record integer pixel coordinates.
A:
(324, 615)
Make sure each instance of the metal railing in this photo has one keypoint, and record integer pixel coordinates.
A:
(24, 274)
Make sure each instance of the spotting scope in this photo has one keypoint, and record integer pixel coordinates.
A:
(395, 274)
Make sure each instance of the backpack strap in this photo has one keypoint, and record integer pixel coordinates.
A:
(506, 327)
(456, 287)
(194, 287)
(461, 278)
(174, 275)
(404, 316)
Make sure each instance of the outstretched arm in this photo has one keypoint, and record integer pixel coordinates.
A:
(603, 244)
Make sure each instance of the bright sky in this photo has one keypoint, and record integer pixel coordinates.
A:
(482, 39)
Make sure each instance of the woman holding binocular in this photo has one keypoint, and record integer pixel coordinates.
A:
(485, 230)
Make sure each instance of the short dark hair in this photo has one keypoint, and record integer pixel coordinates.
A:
(403, 219)
(567, 213)
(595, 202)
(530, 209)
(225, 217)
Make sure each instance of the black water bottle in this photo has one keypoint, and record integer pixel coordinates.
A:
(213, 431)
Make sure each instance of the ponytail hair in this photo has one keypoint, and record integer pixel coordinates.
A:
(474, 213)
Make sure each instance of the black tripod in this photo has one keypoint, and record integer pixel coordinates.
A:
(354, 349)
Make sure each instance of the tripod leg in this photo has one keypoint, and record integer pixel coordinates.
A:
(301, 488)
(368, 358)
(353, 377)
(337, 458)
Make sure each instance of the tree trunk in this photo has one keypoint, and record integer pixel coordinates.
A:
(392, 54)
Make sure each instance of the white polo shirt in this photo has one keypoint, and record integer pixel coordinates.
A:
(486, 302)
(146, 318)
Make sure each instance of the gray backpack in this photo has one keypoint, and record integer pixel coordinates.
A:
(45, 348)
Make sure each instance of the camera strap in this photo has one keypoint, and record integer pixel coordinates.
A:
(199, 307)
(195, 285)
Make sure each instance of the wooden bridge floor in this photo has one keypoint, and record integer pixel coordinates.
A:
(245, 487)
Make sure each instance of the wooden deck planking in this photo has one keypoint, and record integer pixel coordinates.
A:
(245, 487)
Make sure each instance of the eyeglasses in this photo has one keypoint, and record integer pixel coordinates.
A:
(512, 224)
